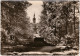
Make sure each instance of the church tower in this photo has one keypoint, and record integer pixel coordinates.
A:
(34, 19)
(34, 24)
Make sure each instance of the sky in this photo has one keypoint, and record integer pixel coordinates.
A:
(36, 8)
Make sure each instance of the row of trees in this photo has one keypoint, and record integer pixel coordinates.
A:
(58, 20)
(14, 22)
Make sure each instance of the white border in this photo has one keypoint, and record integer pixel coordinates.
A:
(79, 27)
(38, 0)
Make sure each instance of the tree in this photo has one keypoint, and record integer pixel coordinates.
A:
(14, 19)
(57, 16)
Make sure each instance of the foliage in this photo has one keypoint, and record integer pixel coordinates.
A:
(14, 19)
(57, 19)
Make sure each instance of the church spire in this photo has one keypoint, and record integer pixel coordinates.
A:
(34, 19)
(34, 15)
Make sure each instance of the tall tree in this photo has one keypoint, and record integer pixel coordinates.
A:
(14, 19)
(57, 19)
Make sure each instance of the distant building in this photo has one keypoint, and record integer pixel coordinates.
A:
(34, 25)
(34, 19)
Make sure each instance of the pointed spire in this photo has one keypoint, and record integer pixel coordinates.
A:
(34, 19)
(34, 15)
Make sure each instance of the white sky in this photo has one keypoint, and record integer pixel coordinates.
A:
(36, 8)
